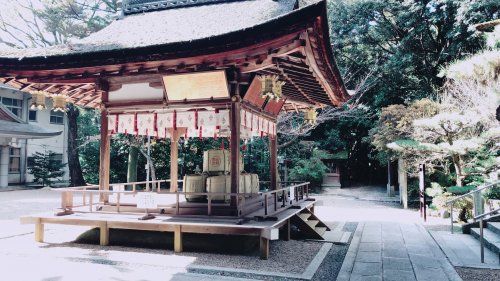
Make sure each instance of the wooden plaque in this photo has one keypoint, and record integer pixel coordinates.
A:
(196, 86)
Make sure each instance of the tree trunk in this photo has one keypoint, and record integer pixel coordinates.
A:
(458, 168)
(133, 156)
(75, 170)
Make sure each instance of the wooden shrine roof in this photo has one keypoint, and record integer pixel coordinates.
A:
(284, 37)
(166, 27)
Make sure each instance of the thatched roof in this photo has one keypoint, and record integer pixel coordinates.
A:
(163, 27)
(288, 38)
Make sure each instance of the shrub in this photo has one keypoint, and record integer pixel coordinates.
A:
(459, 190)
(311, 170)
(493, 193)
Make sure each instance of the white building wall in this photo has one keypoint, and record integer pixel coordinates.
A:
(57, 144)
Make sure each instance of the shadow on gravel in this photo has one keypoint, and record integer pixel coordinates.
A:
(225, 244)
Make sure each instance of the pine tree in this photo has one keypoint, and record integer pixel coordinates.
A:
(45, 167)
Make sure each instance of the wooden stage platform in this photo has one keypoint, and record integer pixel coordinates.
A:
(267, 228)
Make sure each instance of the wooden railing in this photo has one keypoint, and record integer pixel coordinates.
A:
(272, 201)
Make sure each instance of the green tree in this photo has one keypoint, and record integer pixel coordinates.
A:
(404, 44)
(45, 167)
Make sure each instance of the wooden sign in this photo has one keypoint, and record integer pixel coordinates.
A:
(196, 86)
(146, 200)
(423, 197)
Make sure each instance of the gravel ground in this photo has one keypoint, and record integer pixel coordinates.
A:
(219, 250)
(285, 256)
(473, 274)
(332, 263)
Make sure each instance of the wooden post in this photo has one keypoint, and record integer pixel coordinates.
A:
(403, 182)
(174, 156)
(273, 147)
(390, 181)
(67, 200)
(104, 157)
(39, 231)
(423, 199)
(178, 239)
(234, 144)
(104, 234)
(264, 248)
(287, 230)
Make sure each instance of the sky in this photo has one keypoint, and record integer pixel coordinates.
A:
(9, 13)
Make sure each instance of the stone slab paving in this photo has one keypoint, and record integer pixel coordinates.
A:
(464, 250)
(394, 251)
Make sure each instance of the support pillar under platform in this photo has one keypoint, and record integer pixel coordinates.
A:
(178, 239)
(39, 231)
(264, 248)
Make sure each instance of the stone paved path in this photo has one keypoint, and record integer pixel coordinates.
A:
(395, 251)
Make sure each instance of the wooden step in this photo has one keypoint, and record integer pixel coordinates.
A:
(320, 230)
(304, 216)
(312, 223)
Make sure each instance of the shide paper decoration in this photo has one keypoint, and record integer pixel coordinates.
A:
(198, 124)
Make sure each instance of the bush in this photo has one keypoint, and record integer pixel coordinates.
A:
(459, 190)
(493, 193)
(311, 170)
(435, 190)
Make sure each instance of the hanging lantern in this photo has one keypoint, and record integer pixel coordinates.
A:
(310, 116)
(38, 100)
(277, 85)
(271, 86)
(59, 103)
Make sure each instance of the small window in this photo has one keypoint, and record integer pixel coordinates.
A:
(57, 117)
(14, 160)
(32, 115)
(14, 105)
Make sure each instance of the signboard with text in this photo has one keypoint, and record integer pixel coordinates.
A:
(146, 200)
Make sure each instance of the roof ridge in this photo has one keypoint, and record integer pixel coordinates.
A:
(131, 7)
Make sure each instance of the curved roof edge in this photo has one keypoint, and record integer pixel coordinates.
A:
(13, 127)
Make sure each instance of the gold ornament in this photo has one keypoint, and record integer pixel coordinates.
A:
(38, 100)
(310, 116)
(271, 86)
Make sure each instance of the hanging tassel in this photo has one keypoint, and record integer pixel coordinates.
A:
(196, 119)
(135, 124)
(116, 123)
(155, 125)
(174, 120)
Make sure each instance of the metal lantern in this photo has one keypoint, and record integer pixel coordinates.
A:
(271, 86)
(277, 85)
(38, 100)
(267, 85)
(310, 116)
(59, 103)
